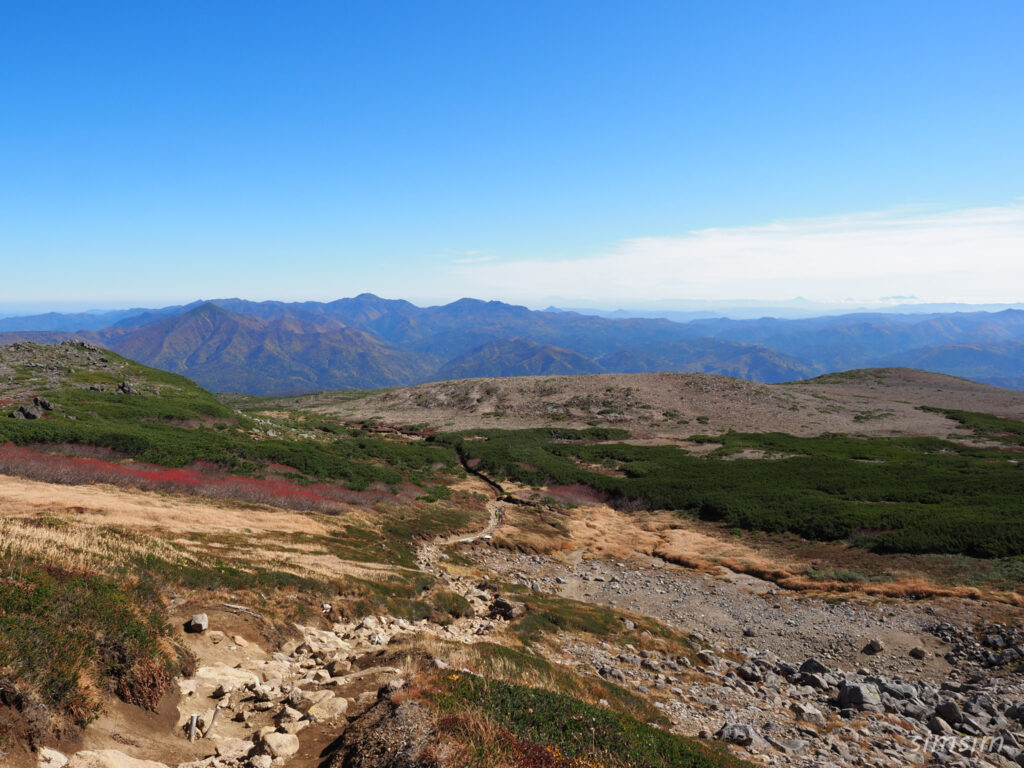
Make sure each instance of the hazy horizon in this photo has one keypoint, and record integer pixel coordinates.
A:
(674, 309)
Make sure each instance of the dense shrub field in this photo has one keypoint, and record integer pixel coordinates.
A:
(913, 495)
(174, 423)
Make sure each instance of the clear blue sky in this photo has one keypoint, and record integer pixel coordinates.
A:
(163, 151)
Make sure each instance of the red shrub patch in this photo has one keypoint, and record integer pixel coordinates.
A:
(200, 479)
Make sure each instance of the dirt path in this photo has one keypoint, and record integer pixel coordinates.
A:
(430, 555)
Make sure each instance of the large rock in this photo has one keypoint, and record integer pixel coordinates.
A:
(862, 696)
(109, 758)
(339, 667)
(28, 412)
(507, 609)
(808, 713)
(939, 727)
(51, 758)
(874, 646)
(950, 712)
(200, 622)
(220, 675)
(813, 680)
(281, 744)
(813, 667)
(329, 709)
(233, 749)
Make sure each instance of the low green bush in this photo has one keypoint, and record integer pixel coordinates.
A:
(573, 729)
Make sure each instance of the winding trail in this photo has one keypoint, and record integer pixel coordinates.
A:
(430, 554)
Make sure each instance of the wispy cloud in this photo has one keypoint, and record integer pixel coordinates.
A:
(973, 255)
(474, 257)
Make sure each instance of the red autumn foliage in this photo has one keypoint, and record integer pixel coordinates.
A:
(199, 479)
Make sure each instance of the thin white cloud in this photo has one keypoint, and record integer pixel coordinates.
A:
(974, 255)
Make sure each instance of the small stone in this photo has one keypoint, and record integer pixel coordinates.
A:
(261, 761)
(200, 622)
(396, 684)
(240, 641)
(917, 652)
(874, 646)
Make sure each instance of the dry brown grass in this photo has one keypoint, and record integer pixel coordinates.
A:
(107, 505)
(78, 548)
(481, 660)
(100, 529)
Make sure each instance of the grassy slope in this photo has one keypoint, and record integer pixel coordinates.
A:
(912, 495)
(546, 729)
(174, 423)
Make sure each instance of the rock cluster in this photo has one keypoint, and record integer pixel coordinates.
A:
(33, 410)
(1000, 645)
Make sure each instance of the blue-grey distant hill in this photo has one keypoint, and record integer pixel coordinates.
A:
(274, 347)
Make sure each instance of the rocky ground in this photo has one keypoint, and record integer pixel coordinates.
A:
(668, 407)
(796, 680)
(784, 679)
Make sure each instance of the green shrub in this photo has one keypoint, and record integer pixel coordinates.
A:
(574, 728)
(452, 605)
(59, 629)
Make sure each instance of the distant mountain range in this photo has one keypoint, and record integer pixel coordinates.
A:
(368, 342)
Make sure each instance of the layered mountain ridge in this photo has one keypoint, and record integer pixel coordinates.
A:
(366, 341)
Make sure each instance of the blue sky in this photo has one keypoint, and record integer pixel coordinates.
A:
(587, 151)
